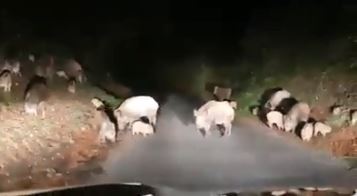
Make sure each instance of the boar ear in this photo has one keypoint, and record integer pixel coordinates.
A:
(117, 113)
(233, 104)
(195, 112)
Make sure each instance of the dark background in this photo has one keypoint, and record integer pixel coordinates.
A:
(138, 41)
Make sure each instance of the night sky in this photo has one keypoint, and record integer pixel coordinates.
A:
(132, 35)
(53, 18)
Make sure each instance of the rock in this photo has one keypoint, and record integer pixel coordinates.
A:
(59, 175)
(324, 188)
(51, 171)
(276, 193)
(310, 188)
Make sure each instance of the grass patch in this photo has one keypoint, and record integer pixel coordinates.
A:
(309, 81)
(251, 94)
(111, 100)
(7, 98)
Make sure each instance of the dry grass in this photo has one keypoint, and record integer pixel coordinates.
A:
(342, 142)
(47, 152)
(320, 89)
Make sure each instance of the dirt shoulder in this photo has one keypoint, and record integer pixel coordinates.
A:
(54, 151)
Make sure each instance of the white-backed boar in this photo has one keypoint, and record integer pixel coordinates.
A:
(143, 127)
(134, 108)
(267, 94)
(107, 131)
(276, 98)
(36, 95)
(321, 128)
(338, 109)
(105, 122)
(6, 80)
(307, 131)
(286, 104)
(299, 112)
(202, 121)
(275, 120)
(218, 113)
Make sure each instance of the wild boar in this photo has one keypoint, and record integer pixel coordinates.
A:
(36, 95)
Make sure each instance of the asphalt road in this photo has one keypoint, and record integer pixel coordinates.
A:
(179, 160)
